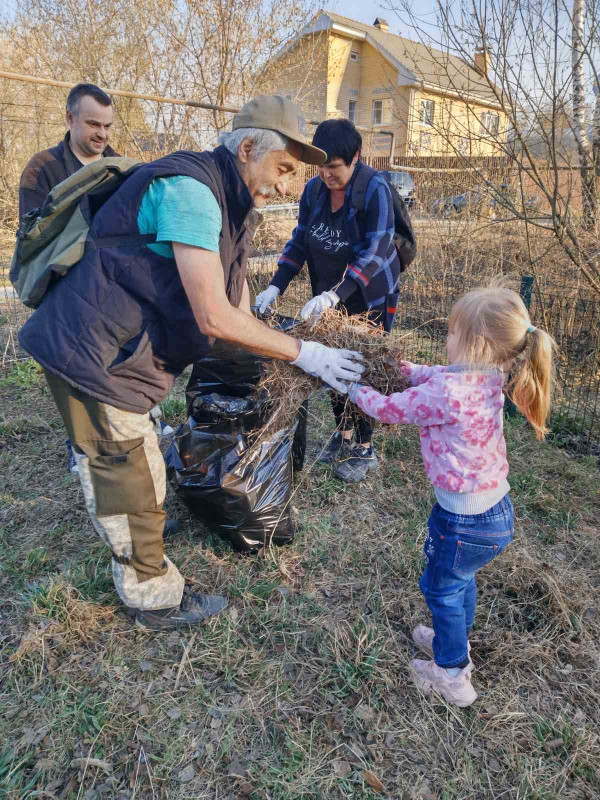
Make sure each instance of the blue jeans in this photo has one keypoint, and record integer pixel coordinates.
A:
(458, 546)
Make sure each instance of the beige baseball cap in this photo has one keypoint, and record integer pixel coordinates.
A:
(275, 113)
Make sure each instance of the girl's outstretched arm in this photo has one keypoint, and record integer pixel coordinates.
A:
(428, 404)
(419, 373)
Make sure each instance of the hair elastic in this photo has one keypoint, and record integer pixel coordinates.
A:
(531, 329)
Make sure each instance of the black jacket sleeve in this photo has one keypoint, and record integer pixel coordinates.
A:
(35, 185)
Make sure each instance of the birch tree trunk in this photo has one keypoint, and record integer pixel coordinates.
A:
(596, 132)
(588, 180)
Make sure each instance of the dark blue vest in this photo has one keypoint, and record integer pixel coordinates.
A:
(119, 326)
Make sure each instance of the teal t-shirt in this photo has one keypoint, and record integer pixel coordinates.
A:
(180, 209)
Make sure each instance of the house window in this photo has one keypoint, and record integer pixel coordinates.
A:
(352, 111)
(490, 123)
(427, 109)
(353, 55)
(377, 112)
(425, 142)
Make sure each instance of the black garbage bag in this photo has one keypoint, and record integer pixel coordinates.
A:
(226, 371)
(241, 489)
(299, 442)
(231, 372)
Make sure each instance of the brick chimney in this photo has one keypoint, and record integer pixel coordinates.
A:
(482, 60)
(382, 24)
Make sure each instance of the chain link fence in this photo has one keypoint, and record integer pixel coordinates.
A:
(148, 129)
(569, 315)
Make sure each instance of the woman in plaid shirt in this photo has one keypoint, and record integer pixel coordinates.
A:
(352, 262)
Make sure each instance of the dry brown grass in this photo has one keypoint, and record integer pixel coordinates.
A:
(272, 234)
(301, 690)
(288, 387)
(78, 622)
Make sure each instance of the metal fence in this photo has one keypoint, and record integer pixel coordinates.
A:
(421, 327)
(570, 316)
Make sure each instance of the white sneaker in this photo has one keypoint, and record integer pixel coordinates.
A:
(430, 678)
(422, 636)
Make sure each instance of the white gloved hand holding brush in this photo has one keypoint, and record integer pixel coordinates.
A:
(315, 307)
(334, 366)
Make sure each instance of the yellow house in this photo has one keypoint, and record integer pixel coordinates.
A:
(404, 94)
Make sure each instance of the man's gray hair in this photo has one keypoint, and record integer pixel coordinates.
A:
(263, 141)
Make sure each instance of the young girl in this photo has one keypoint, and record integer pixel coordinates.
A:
(459, 411)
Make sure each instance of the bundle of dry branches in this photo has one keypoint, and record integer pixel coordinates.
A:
(288, 387)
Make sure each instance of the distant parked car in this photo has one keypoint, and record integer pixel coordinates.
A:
(404, 185)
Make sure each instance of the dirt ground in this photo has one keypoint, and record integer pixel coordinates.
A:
(301, 689)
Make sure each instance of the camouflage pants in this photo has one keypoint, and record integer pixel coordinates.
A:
(122, 474)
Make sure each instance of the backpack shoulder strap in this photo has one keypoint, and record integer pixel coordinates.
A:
(90, 179)
(313, 192)
(359, 187)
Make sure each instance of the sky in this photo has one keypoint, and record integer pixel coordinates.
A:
(368, 11)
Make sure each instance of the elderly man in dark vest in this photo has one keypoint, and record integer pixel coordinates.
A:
(166, 277)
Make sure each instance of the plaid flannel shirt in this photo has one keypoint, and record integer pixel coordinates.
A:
(375, 268)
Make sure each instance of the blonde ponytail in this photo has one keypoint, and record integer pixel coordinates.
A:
(532, 383)
(491, 327)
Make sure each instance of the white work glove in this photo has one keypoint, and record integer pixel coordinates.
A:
(331, 365)
(264, 299)
(315, 307)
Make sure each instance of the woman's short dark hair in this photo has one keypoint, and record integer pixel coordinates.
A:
(82, 90)
(339, 138)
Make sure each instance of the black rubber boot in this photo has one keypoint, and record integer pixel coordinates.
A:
(193, 610)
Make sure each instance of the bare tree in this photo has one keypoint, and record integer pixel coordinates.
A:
(225, 45)
(588, 180)
(530, 76)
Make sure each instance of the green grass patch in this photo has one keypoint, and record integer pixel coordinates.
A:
(24, 375)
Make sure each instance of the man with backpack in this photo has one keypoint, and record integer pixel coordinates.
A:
(355, 234)
(162, 276)
(89, 117)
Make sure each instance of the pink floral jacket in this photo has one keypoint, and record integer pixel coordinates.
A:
(460, 419)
